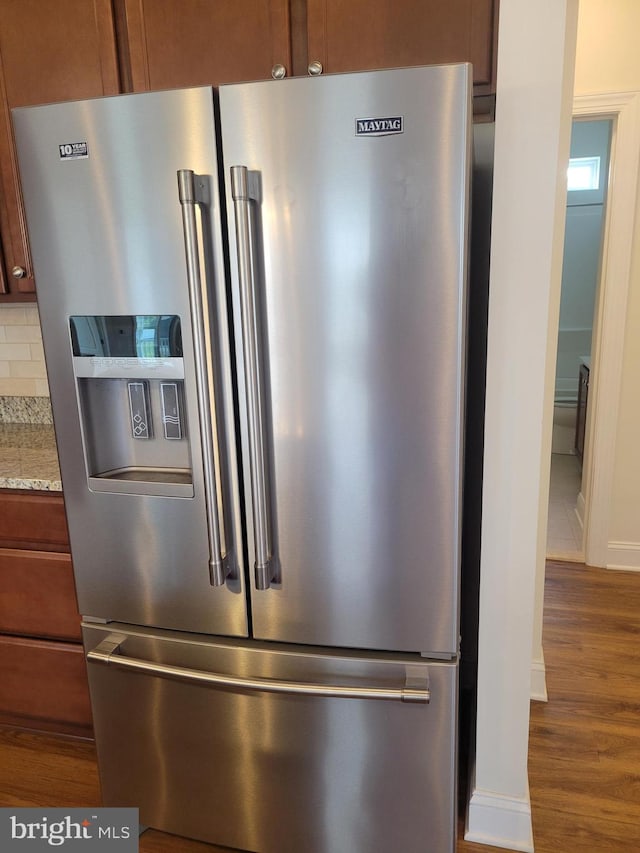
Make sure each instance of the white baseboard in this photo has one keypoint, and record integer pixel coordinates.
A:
(499, 821)
(539, 680)
(624, 556)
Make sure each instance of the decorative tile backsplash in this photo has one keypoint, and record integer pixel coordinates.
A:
(22, 368)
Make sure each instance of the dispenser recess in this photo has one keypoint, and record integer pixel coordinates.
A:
(129, 377)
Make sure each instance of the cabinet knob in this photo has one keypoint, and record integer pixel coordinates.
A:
(314, 68)
(278, 72)
(18, 272)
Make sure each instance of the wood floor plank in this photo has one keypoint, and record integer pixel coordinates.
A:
(46, 770)
(576, 788)
(562, 831)
(152, 841)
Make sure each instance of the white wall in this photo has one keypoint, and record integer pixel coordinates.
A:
(608, 60)
(533, 122)
(581, 266)
(580, 269)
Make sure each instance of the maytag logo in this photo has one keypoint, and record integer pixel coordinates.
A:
(38, 830)
(379, 126)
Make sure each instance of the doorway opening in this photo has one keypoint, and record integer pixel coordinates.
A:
(581, 273)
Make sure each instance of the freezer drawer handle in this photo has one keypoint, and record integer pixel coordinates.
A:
(259, 494)
(219, 566)
(107, 652)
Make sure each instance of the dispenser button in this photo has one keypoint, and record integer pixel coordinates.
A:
(139, 409)
(171, 419)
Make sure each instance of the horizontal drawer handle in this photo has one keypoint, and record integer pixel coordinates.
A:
(107, 652)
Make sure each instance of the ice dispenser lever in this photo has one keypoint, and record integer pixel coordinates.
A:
(139, 409)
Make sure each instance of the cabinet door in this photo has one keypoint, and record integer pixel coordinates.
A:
(48, 52)
(174, 43)
(33, 520)
(44, 686)
(37, 595)
(358, 35)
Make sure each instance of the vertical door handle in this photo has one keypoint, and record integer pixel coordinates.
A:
(218, 563)
(257, 450)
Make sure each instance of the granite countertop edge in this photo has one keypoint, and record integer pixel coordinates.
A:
(30, 484)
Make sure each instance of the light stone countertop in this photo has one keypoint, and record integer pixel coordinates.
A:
(28, 457)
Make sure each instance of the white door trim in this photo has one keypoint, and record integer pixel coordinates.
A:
(609, 332)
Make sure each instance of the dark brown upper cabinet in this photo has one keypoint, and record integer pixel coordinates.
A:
(354, 35)
(174, 43)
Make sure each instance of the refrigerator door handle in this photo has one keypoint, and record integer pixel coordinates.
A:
(219, 566)
(260, 500)
(107, 653)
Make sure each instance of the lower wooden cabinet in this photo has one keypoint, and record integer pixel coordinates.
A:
(44, 685)
(37, 595)
(43, 680)
(33, 520)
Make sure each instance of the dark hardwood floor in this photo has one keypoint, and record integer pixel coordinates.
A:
(584, 757)
(584, 753)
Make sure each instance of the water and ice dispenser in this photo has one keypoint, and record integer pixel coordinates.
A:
(129, 377)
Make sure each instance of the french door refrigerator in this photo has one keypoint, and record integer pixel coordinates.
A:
(253, 312)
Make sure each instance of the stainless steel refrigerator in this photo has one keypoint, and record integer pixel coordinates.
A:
(253, 309)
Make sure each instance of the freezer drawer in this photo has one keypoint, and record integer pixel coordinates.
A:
(277, 771)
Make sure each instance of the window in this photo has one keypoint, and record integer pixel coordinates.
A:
(583, 173)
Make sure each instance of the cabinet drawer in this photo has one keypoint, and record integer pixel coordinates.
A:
(33, 520)
(37, 595)
(44, 685)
